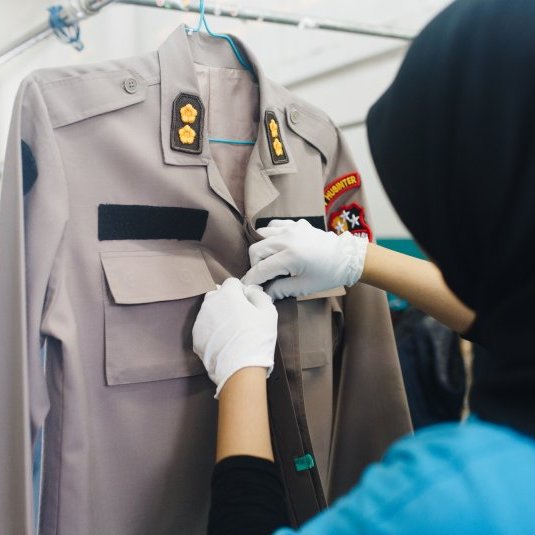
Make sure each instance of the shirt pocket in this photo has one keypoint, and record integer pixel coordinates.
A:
(315, 315)
(151, 300)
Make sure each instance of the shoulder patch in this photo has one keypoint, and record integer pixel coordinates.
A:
(350, 218)
(29, 167)
(339, 186)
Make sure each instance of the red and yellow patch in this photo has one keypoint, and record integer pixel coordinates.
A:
(350, 218)
(339, 186)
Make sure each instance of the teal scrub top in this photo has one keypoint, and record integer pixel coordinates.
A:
(447, 479)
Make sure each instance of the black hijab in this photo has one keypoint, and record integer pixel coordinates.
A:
(453, 140)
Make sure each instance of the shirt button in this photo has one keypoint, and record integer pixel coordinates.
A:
(130, 85)
(294, 116)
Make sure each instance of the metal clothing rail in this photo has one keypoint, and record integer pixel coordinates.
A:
(352, 124)
(71, 15)
(86, 8)
(289, 19)
(38, 34)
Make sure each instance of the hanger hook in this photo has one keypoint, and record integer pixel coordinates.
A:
(203, 22)
(202, 19)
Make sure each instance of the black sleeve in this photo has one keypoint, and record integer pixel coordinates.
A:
(247, 498)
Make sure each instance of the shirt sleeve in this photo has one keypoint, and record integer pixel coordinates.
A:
(370, 386)
(345, 201)
(247, 497)
(33, 213)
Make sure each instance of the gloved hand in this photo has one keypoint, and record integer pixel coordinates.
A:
(236, 328)
(314, 260)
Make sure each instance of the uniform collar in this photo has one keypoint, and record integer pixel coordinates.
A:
(177, 56)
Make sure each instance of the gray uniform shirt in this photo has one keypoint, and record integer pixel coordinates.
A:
(114, 157)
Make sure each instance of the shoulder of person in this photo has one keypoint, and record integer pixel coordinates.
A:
(449, 478)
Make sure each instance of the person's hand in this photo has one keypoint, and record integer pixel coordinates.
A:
(236, 328)
(309, 260)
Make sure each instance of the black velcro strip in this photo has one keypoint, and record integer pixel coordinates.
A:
(317, 221)
(29, 167)
(139, 222)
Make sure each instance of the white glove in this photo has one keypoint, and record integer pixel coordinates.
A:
(236, 328)
(314, 260)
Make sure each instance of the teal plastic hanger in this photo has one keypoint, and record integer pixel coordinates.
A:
(246, 65)
(203, 22)
(230, 141)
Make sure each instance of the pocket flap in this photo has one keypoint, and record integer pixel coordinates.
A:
(335, 292)
(76, 98)
(150, 276)
(315, 128)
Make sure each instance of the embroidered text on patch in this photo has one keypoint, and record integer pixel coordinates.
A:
(339, 186)
(350, 218)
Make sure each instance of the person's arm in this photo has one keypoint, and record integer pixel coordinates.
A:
(419, 282)
(243, 426)
(247, 493)
(234, 335)
(296, 259)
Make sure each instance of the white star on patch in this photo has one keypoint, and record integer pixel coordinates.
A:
(339, 227)
(354, 220)
(345, 215)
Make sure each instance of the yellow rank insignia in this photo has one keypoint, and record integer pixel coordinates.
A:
(339, 186)
(274, 129)
(187, 124)
(277, 147)
(188, 113)
(187, 135)
(275, 143)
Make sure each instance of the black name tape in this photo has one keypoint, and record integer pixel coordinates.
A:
(140, 222)
(317, 221)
